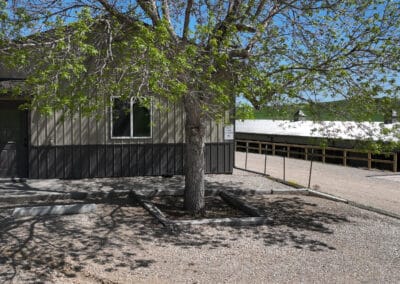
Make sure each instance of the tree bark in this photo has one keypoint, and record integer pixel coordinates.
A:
(194, 175)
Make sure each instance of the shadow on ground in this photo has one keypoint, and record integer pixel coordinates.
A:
(59, 186)
(115, 237)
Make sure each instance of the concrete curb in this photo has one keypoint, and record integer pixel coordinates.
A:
(352, 203)
(32, 198)
(244, 221)
(284, 191)
(373, 209)
(326, 196)
(54, 210)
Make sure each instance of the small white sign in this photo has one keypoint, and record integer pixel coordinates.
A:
(228, 132)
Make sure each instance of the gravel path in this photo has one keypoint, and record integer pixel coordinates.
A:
(312, 240)
(36, 187)
(379, 189)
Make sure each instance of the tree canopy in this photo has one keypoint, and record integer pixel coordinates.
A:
(265, 50)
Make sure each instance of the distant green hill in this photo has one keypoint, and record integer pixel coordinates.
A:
(375, 110)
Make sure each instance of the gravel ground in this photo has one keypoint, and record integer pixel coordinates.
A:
(312, 240)
(58, 186)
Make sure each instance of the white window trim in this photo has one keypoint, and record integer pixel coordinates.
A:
(131, 121)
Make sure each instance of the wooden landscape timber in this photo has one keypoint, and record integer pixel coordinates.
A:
(236, 202)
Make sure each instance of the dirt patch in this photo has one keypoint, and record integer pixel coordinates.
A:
(173, 208)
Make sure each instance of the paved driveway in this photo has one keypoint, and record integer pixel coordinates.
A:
(376, 188)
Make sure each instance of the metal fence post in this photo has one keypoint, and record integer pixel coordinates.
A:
(265, 159)
(234, 154)
(311, 164)
(369, 160)
(247, 151)
(284, 168)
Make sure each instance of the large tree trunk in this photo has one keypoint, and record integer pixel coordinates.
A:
(194, 175)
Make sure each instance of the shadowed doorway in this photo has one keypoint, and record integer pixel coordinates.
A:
(13, 140)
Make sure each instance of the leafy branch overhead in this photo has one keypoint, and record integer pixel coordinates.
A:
(76, 53)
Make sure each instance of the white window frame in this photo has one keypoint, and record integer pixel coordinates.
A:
(132, 101)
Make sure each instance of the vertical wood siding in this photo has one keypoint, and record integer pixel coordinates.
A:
(167, 127)
(78, 147)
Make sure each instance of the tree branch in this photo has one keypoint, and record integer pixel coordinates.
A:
(239, 53)
(150, 8)
(114, 12)
(259, 9)
(273, 11)
(230, 18)
(187, 19)
(166, 15)
(249, 6)
(245, 28)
